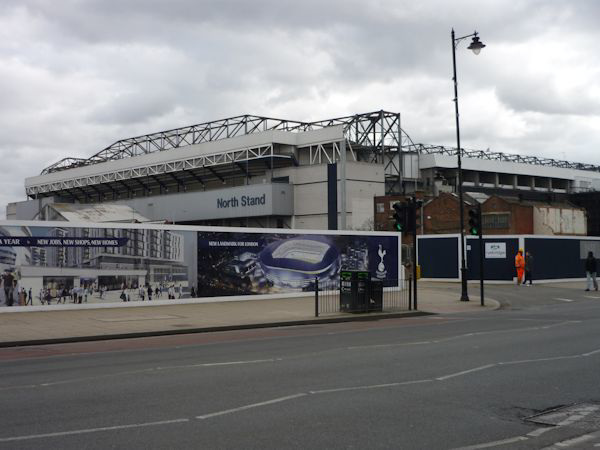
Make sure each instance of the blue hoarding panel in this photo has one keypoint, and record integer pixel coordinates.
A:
(499, 260)
(555, 258)
(438, 257)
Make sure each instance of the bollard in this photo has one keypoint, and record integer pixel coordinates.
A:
(316, 297)
(409, 294)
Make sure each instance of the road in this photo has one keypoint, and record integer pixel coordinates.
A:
(433, 382)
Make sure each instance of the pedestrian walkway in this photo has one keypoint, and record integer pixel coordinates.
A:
(63, 325)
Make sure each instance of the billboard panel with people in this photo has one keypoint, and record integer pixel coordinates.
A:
(48, 263)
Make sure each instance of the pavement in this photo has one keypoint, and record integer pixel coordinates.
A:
(63, 323)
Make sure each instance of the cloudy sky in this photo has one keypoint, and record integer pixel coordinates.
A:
(77, 75)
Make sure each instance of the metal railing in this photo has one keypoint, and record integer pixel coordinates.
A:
(337, 296)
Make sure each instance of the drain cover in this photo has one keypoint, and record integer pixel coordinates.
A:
(582, 414)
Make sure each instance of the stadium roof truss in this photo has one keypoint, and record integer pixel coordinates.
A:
(499, 156)
(198, 168)
(372, 137)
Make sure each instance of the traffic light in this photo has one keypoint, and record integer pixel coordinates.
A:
(401, 216)
(475, 221)
(418, 204)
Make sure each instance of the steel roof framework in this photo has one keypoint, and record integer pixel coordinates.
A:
(499, 156)
(369, 136)
(200, 169)
(373, 129)
(375, 137)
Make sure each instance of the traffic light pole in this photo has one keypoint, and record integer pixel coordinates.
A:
(481, 255)
(476, 229)
(405, 217)
(413, 209)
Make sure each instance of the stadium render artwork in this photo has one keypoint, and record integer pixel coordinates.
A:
(252, 263)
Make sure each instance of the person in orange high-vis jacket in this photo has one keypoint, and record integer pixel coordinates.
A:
(520, 266)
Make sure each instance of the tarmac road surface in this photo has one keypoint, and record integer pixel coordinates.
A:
(467, 380)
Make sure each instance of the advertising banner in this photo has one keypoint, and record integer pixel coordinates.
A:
(267, 263)
(65, 264)
(52, 263)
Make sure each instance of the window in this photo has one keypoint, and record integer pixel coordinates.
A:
(380, 207)
(495, 220)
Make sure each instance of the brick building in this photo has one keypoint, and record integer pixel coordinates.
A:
(384, 210)
(500, 215)
(441, 214)
(506, 215)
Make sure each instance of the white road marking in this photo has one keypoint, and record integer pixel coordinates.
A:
(494, 443)
(396, 344)
(253, 405)
(566, 322)
(353, 388)
(578, 415)
(92, 430)
(137, 372)
(528, 319)
(563, 299)
(259, 361)
(552, 358)
(372, 386)
(228, 363)
(464, 372)
(465, 335)
(540, 431)
(582, 412)
(591, 296)
(571, 442)
(22, 386)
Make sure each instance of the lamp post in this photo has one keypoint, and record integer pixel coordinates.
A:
(476, 46)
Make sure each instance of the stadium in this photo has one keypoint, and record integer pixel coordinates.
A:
(263, 172)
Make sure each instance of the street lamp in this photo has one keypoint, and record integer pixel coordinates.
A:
(476, 46)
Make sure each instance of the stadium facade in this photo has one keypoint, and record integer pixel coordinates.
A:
(261, 172)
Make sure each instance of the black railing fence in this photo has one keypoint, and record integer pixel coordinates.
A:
(361, 296)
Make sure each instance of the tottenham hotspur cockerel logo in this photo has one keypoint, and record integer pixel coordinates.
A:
(381, 272)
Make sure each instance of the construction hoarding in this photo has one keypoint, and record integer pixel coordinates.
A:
(62, 262)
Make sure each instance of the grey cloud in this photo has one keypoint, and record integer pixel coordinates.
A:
(134, 107)
(527, 95)
(77, 75)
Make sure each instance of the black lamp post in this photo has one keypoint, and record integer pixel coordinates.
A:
(476, 46)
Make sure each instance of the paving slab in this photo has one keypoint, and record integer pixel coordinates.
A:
(61, 324)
